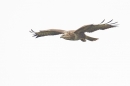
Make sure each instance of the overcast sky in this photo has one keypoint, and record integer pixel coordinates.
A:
(52, 61)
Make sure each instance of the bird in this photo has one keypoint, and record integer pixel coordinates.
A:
(78, 34)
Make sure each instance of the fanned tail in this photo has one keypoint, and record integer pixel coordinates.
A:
(91, 38)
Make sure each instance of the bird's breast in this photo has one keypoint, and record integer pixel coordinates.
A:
(76, 37)
(73, 35)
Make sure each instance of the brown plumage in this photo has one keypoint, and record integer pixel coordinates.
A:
(78, 34)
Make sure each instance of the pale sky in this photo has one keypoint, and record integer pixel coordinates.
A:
(52, 61)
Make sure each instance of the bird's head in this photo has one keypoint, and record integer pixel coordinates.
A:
(66, 36)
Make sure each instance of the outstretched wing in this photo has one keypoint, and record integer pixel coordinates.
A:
(92, 27)
(47, 32)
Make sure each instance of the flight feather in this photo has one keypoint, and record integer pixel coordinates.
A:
(92, 27)
(47, 32)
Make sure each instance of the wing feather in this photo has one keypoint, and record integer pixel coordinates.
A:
(92, 27)
(47, 32)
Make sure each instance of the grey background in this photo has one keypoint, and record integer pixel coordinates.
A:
(51, 61)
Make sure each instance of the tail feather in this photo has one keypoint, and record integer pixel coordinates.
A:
(91, 38)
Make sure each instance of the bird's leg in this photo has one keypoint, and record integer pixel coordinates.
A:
(83, 40)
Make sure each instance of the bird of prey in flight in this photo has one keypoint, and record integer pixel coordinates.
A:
(78, 34)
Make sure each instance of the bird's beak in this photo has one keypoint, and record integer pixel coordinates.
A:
(61, 37)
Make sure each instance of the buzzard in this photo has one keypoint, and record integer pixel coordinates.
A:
(78, 34)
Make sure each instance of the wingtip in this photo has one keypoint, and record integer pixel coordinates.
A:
(102, 21)
(31, 31)
(34, 33)
(110, 21)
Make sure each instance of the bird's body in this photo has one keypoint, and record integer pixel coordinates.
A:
(69, 35)
(78, 34)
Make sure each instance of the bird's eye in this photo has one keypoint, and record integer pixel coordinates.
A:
(65, 34)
